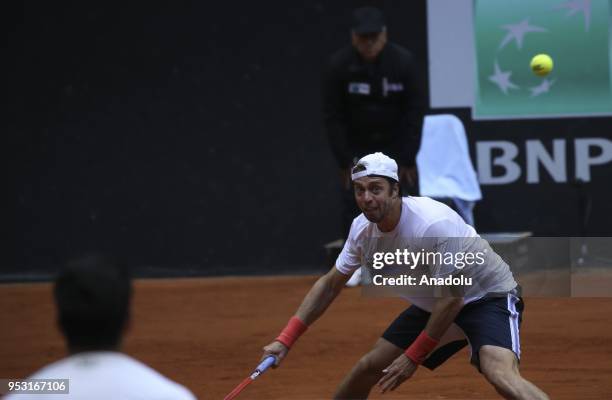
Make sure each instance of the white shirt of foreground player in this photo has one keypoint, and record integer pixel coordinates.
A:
(107, 375)
(422, 222)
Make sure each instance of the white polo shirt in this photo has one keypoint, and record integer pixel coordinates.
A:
(426, 225)
(107, 375)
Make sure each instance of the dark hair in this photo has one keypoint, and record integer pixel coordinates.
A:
(93, 295)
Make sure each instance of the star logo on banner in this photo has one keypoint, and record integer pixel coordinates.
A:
(502, 79)
(575, 6)
(518, 31)
(544, 87)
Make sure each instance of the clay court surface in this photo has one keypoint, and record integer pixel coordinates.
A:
(207, 334)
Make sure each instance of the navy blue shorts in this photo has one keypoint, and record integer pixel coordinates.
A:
(491, 321)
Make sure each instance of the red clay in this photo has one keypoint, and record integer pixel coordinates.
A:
(207, 334)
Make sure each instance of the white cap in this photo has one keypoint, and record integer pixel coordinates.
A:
(375, 164)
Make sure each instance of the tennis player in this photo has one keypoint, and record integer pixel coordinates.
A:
(486, 316)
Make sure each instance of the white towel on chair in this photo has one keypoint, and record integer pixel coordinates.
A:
(443, 161)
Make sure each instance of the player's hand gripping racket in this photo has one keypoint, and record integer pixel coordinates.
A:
(261, 368)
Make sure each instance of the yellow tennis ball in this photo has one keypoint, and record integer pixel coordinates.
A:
(541, 64)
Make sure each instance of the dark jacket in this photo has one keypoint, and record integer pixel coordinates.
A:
(373, 107)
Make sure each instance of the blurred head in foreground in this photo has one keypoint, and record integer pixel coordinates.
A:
(93, 296)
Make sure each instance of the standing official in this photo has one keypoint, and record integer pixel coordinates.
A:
(372, 102)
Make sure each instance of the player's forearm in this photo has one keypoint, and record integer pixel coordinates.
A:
(320, 296)
(443, 314)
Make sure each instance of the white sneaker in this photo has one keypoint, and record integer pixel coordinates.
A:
(355, 279)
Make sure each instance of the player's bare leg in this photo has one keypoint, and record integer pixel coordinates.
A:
(500, 367)
(358, 383)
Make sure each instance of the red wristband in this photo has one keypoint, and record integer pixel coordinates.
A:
(294, 329)
(421, 347)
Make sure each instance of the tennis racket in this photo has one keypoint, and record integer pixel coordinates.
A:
(261, 368)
